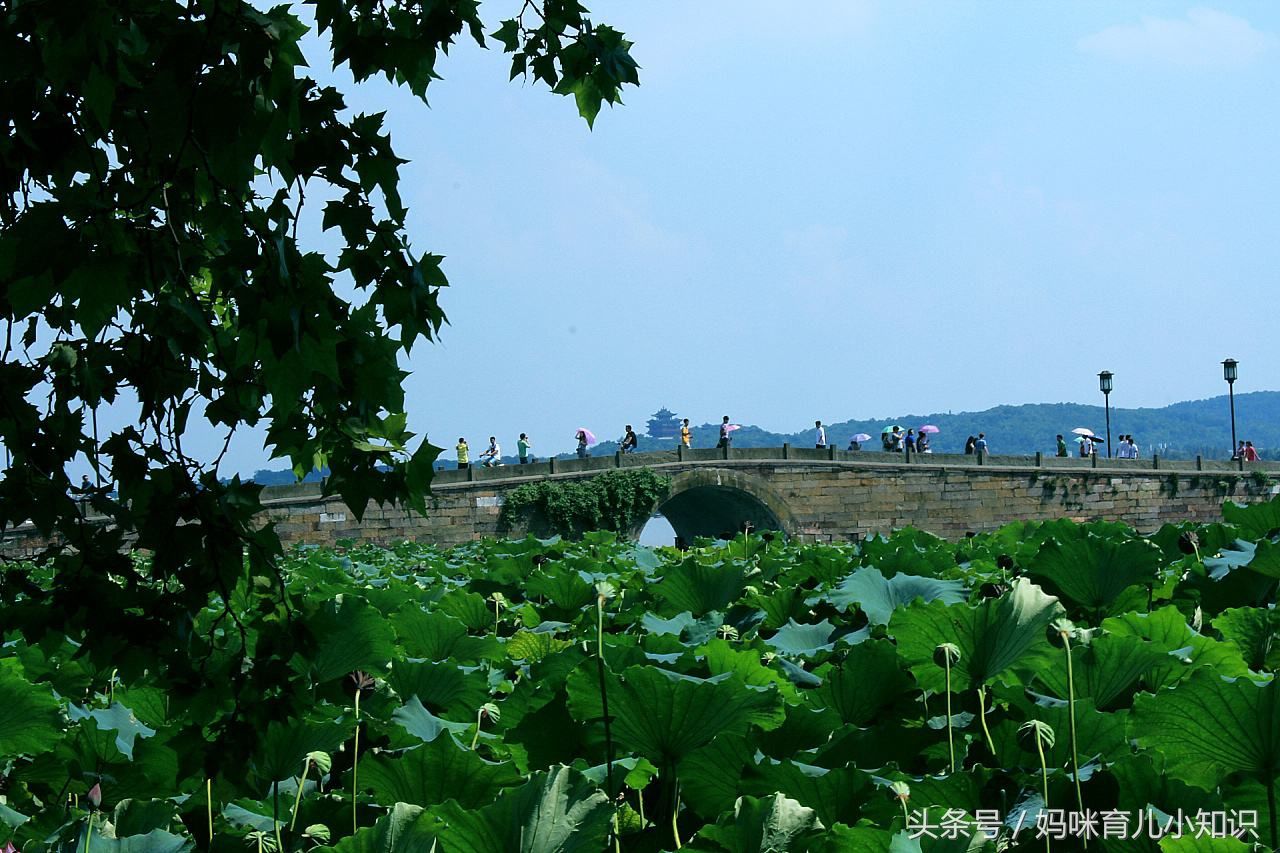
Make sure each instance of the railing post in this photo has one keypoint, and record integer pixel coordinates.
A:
(471, 473)
(617, 459)
(1199, 462)
(1155, 461)
(1093, 457)
(786, 450)
(906, 455)
(1039, 459)
(831, 451)
(552, 462)
(724, 451)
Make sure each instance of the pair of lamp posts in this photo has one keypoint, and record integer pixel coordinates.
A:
(1228, 373)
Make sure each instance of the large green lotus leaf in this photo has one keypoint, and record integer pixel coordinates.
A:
(889, 742)
(563, 587)
(779, 606)
(1098, 733)
(721, 657)
(434, 772)
(1105, 669)
(469, 608)
(1189, 843)
(285, 746)
(1255, 631)
(421, 723)
(699, 588)
(835, 795)
(665, 715)
(138, 817)
(763, 825)
(1266, 559)
(558, 811)
(155, 841)
(349, 637)
(803, 640)
(405, 829)
(116, 718)
(1210, 727)
(879, 596)
(1211, 537)
(1250, 795)
(994, 636)
(29, 719)
(533, 646)
(674, 626)
(438, 637)
(712, 777)
(1166, 630)
(1092, 571)
(444, 687)
(868, 680)
(908, 551)
(1258, 519)
(1141, 780)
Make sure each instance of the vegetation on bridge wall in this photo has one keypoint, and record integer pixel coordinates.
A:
(616, 500)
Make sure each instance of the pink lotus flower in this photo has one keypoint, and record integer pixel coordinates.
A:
(9, 848)
(95, 795)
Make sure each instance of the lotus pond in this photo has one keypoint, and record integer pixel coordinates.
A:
(1049, 686)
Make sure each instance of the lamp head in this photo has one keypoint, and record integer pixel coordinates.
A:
(1104, 381)
(1229, 370)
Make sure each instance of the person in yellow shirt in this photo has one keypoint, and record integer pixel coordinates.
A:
(464, 454)
(685, 435)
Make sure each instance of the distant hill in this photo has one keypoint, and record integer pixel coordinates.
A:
(1178, 431)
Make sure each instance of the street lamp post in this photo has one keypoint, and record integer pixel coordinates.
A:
(1104, 385)
(1229, 374)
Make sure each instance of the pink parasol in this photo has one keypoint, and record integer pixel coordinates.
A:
(929, 429)
(591, 437)
(732, 427)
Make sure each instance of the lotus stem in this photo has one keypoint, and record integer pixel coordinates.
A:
(1271, 810)
(1071, 715)
(675, 817)
(1044, 775)
(604, 709)
(88, 835)
(297, 801)
(475, 739)
(208, 799)
(906, 816)
(982, 717)
(355, 765)
(951, 746)
(275, 813)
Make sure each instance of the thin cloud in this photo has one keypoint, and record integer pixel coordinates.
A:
(1205, 38)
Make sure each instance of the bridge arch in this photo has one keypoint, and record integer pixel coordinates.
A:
(711, 501)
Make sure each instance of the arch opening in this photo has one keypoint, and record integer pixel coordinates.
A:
(715, 511)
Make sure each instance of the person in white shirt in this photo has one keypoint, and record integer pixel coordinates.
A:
(1133, 448)
(821, 435)
(492, 455)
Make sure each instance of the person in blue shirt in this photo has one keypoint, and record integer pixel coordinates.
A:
(980, 446)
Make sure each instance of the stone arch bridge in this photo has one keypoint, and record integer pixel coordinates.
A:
(807, 494)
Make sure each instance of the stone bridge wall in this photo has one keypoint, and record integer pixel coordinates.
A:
(814, 495)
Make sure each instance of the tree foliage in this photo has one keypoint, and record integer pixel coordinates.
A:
(155, 163)
(618, 501)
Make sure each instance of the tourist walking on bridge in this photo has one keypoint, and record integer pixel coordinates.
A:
(685, 435)
(821, 437)
(464, 454)
(582, 444)
(1062, 446)
(980, 446)
(522, 449)
(969, 444)
(725, 439)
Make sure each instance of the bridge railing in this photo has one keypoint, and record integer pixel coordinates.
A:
(876, 458)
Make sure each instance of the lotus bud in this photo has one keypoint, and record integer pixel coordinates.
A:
(322, 761)
(1189, 542)
(318, 832)
(1004, 561)
(1035, 730)
(946, 654)
(95, 795)
(992, 589)
(901, 791)
(1059, 631)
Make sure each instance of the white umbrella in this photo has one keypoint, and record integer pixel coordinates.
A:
(1082, 431)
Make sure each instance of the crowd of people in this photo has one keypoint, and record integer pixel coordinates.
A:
(893, 440)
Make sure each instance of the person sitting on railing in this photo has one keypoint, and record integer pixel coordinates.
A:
(629, 441)
(492, 455)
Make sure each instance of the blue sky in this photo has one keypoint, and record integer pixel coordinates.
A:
(848, 209)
